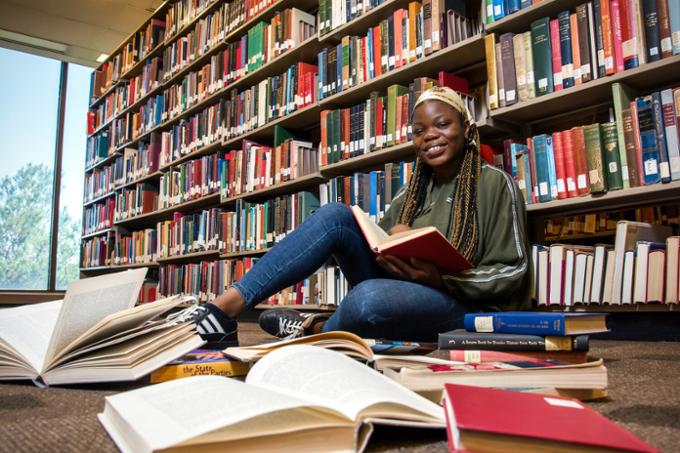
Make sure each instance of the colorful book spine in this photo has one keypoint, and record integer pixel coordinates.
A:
(648, 141)
(566, 53)
(542, 56)
(526, 323)
(460, 339)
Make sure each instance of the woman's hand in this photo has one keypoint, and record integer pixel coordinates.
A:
(415, 270)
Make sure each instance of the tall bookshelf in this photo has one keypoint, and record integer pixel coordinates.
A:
(466, 58)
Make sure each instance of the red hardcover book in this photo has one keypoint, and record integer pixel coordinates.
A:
(579, 147)
(426, 244)
(569, 163)
(575, 48)
(377, 56)
(617, 37)
(556, 54)
(479, 419)
(607, 37)
(664, 29)
(560, 172)
(397, 37)
(456, 83)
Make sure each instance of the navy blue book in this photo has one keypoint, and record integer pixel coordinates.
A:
(536, 323)
(566, 50)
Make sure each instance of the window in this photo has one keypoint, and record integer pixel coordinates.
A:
(31, 93)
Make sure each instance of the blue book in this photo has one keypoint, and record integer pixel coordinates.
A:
(566, 50)
(552, 172)
(498, 9)
(542, 170)
(529, 182)
(664, 164)
(369, 43)
(648, 139)
(338, 69)
(525, 4)
(321, 77)
(674, 19)
(536, 323)
(373, 196)
(511, 6)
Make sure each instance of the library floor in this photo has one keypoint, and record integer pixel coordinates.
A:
(644, 382)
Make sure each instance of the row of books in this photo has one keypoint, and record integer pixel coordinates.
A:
(603, 223)
(495, 10)
(199, 40)
(589, 159)
(398, 40)
(135, 50)
(207, 279)
(596, 40)
(99, 216)
(189, 180)
(642, 267)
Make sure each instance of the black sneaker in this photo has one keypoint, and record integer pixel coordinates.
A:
(287, 324)
(217, 329)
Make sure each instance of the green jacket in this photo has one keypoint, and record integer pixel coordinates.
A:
(501, 278)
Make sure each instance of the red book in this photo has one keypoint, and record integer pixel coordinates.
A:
(579, 147)
(456, 83)
(607, 37)
(617, 39)
(556, 54)
(377, 66)
(479, 419)
(569, 163)
(425, 244)
(397, 37)
(560, 172)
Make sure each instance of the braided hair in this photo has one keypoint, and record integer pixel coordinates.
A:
(463, 231)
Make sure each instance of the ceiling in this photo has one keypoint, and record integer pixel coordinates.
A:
(77, 31)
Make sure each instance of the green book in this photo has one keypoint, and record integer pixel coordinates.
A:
(281, 134)
(542, 56)
(308, 202)
(594, 158)
(393, 92)
(610, 156)
(622, 95)
(322, 17)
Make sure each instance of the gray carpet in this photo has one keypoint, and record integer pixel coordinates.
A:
(644, 381)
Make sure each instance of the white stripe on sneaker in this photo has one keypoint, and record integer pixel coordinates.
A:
(214, 323)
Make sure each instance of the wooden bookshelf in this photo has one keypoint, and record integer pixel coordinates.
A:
(117, 267)
(142, 100)
(215, 4)
(102, 126)
(198, 152)
(190, 257)
(370, 160)
(580, 236)
(166, 213)
(243, 254)
(286, 187)
(369, 19)
(97, 233)
(99, 198)
(615, 199)
(149, 177)
(136, 69)
(544, 108)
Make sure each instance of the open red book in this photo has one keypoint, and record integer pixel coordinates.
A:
(482, 419)
(426, 244)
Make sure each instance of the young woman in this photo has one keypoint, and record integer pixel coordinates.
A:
(476, 206)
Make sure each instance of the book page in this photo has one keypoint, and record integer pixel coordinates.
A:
(90, 300)
(372, 232)
(336, 381)
(176, 411)
(28, 330)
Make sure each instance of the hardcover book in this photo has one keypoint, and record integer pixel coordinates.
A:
(536, 323)
(426, 244)
(480, 419)
(462, 339)
(199, 362)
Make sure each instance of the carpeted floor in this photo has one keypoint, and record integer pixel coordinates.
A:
(644, 380)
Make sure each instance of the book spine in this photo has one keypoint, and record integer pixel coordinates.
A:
(584, 42)
(520, 67)
(607, 37)
(599, 38)
(508, 63)
(648, 141)
(611, 160)
(513, 342)
(664, 165)
(652, 32)
(542, 56)
(491, 75)
(536, 324)
(566, 54)
(571, 174)
(671, 130)
(529, 59)
(594, 158)
(499, 72)
(665, 39)
(560, 172)
(556, 54)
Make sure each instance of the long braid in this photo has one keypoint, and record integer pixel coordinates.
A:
(463, 231)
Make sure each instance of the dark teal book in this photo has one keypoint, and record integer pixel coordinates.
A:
(542, 168)
(536, 323)
(542, 56)
(566, 50)
(650, 146)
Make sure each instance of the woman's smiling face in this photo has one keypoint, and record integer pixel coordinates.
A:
(439, 136)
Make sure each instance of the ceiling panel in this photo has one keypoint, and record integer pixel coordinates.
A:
(88, 28)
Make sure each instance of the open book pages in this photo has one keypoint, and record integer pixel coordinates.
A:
(341, 341)
(281, 407)
(589, 375)
(93, 335)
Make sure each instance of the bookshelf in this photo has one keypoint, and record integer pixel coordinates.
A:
(466, 57)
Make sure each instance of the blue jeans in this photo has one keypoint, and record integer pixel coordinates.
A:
(377, 306)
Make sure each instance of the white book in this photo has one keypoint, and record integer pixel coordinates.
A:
(608, 277)
(627, 235)
(599, 263)
(93, 335)
(640, 282)
(628, 275)
(672, 269)
(568, 278)
(589, 278)
(580, 266)
(280, 407)
(561, 272)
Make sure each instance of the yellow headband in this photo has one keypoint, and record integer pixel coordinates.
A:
(447, 96)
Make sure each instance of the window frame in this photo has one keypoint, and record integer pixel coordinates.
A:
(18, 296)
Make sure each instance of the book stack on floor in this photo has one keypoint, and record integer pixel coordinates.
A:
(538, 352)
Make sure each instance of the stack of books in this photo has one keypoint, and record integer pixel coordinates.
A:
(527, 351)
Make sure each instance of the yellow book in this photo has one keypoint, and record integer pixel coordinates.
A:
(490, 50)
(200, 362)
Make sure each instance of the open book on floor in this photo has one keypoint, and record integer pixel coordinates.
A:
(297, 398)
(93, 335)
(426, 244)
